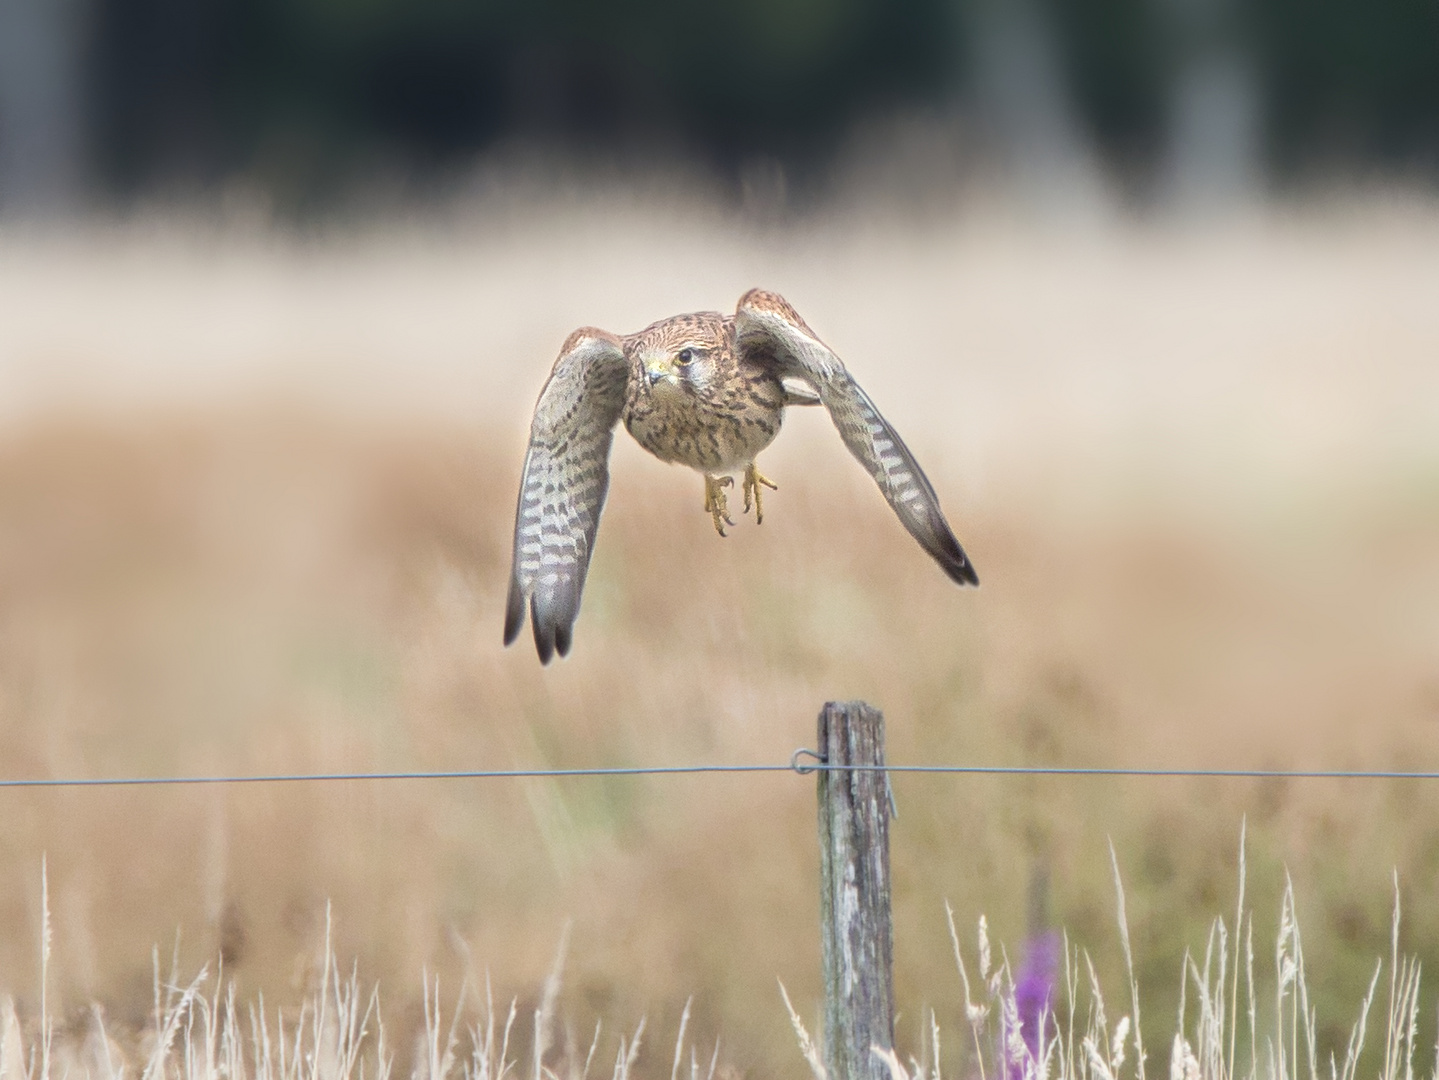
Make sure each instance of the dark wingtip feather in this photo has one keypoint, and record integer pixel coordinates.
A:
(957, 565)
(963, 574)
(949, 554)
(553, 617)
(544, 634)
(514, 612)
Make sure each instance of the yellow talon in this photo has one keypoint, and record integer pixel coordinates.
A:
(753, 480)
(716, 505)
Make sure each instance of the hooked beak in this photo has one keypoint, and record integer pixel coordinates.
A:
(657, 372)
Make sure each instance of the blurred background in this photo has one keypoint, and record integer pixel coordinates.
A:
(323, 103)
(1147, 285)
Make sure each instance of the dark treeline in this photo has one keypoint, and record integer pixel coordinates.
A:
(304, 94)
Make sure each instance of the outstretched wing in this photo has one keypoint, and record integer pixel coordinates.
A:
(771, 332)
(563, 488)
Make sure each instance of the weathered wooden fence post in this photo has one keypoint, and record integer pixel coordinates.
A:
(858, 937)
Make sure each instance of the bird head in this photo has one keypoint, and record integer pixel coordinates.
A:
(682, 355)
(683, 367)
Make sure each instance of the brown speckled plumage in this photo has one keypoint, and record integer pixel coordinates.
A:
(722, 410)
(704, 390)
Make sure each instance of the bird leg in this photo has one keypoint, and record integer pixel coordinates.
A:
(753, 480)
(716, 505)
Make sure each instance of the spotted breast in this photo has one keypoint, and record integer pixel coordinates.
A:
(695, 400)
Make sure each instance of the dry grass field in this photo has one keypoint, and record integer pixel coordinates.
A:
(256, 491)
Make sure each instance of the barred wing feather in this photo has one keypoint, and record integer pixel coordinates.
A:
(770, 330)
(562, 491)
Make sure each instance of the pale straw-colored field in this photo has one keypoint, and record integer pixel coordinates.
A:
(256, 492)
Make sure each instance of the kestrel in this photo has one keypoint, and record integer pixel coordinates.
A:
(704, 390)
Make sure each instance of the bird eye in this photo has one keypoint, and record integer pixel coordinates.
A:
(686, 356)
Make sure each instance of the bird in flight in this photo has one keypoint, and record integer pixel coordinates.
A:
(704, 390)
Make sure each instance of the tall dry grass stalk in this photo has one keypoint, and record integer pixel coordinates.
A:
(198, 1031)
(1218, 1032)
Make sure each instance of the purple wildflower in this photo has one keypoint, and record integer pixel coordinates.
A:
(1033, 1002)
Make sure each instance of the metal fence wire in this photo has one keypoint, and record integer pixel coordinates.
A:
(802, 762)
